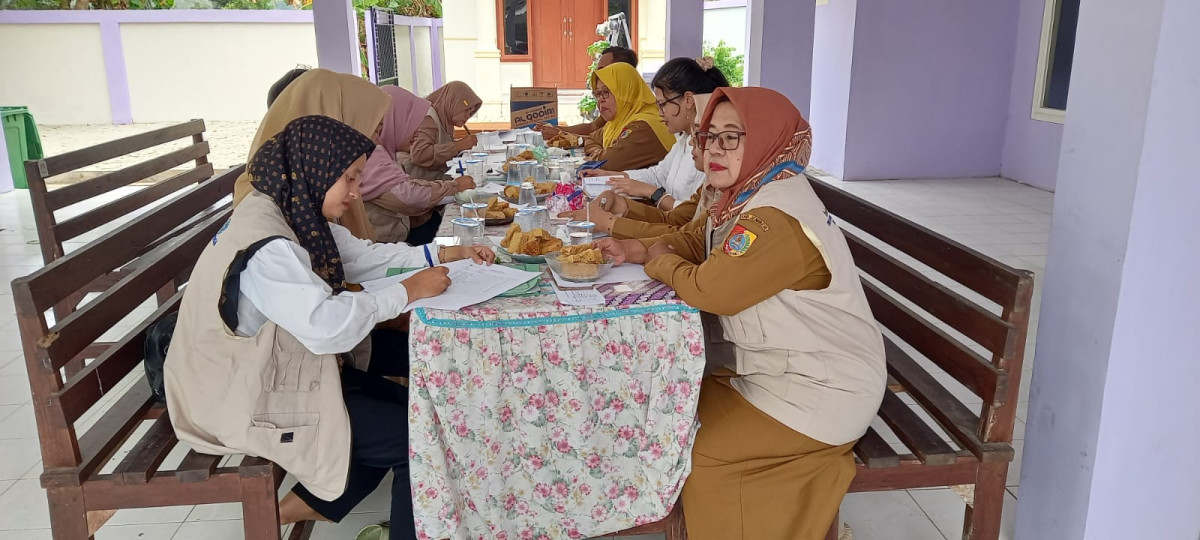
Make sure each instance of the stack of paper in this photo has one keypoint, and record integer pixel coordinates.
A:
(470, 284)
(593, 186)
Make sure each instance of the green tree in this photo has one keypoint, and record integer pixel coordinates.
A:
(728, 60)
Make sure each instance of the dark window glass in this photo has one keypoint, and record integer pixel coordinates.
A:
(516, 27)
(622, 6)
(1062, 52)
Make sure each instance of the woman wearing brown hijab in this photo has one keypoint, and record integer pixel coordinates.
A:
(785, 315)
(346, 98)
(433, 145)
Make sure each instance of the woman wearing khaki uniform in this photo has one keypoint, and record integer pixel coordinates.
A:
(772, 458)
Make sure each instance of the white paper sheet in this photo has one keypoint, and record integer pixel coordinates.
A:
(626, 273)
(578, 297)
(593, 186)
(470, 284)
(491, 188)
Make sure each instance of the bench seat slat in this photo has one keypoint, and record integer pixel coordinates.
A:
(875, 452)
(925, 443)
(77, 193)
(142, 462)
(128, 204)
(949, 412)
(197, 467)
(975, 322)
(967, 367)
(91, 155)
(105, 436)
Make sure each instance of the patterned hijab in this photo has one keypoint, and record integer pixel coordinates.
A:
(452, 97)
(635, 102)
(776, 135)
(296, 168)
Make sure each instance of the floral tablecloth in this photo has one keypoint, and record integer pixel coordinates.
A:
(532, 420)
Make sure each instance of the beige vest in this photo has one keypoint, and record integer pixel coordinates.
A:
(265, 395)
(436, 173)
(812, 360)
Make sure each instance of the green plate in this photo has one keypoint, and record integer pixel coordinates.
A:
(528, 259)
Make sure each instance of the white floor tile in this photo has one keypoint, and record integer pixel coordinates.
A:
(18, 456)
(14, 390)
(349, 526)
(154, 531)
(947, 510)
(28, 534)
(24, 506)
(216, 512)
(211, 530)
(887, 515)
(8, 410)
(143, 516)
(1014, 468)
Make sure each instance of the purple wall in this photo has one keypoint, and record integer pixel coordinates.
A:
(930, 88)
(1030, 146)
(833, 58)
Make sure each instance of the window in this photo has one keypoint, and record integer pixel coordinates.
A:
(1055, 56)
(513, 16)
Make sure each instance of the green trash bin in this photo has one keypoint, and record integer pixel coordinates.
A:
(21, 137)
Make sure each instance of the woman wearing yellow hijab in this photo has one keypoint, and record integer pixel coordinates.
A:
(345, 98)
(634, 136)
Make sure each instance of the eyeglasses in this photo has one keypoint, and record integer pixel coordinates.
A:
(727, 140)
(602, 95)
(662, 105)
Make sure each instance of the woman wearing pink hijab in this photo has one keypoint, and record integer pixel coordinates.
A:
(400, 207)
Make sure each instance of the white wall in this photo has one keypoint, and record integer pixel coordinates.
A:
(223, 73)
(57, 70)
(727, 24)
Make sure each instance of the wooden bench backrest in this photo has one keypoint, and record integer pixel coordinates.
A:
(46, 203)
(187, 223)
(981, 347)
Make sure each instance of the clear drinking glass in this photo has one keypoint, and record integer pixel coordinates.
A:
(476, 211)
(476, 169)
(528, 195)
(581, 232)
(467, 231)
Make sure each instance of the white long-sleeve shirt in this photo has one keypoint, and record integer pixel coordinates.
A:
(676, 173)
(278, 284)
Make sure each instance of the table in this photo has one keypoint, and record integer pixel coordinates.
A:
(533, 420)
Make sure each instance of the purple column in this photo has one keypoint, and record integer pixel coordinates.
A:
(781, 48)
(685, 28)
(435, 45)
(336, 30)
(114, 70)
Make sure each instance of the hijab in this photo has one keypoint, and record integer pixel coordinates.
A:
(776, 134)
(345, 98)
(402, 119)
(451, 98)
(635, 102)
(296, 168)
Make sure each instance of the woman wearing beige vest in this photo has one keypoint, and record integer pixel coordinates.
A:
(772, 459)
(256, 362)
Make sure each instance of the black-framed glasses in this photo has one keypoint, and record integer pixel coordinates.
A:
(727, 140)
(662, 105)
(602, 95)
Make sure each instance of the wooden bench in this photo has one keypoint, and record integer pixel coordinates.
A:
(85, 475)
(947, 308)
(49, 205)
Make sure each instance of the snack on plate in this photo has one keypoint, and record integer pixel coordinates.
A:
(541, 188)
(523, 156)
(580, 262)
(535, 243)
(563, 140)
(499, 209)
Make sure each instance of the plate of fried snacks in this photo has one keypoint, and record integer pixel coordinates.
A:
(499, 212)
(580, 264)
(529, 246)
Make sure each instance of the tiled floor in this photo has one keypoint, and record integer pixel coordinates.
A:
(1002, 219)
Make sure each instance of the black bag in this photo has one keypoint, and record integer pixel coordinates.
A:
(158, 338)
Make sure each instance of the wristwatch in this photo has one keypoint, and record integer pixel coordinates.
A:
(658, 194)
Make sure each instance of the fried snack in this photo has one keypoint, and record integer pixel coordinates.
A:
(494, 214)
(523, 156)
(537, 242)
(545, 188)
(563, 140)
(580, 262)
(512, 192)
(509, 212)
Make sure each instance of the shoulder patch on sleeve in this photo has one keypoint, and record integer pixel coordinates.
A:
(757, 220)
(624, 133)
(739, 241)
